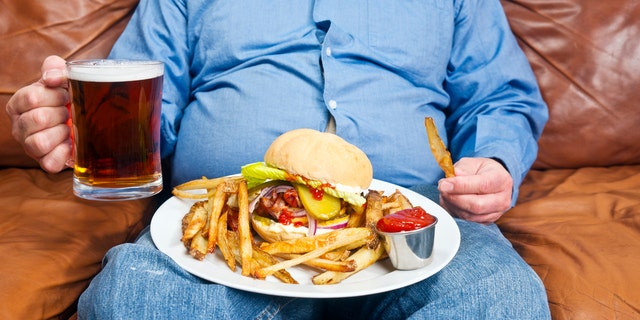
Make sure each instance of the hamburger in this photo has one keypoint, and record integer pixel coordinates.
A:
(309, 183)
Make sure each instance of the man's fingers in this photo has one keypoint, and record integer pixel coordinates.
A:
(58, 159)
(54, 72)
(473, 184)
(35, 96)
(45, 141)
(38, 119)
(478, 204)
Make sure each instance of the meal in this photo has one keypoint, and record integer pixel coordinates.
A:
(306, 204)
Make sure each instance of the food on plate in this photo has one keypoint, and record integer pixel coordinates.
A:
(310, 182)
(308, 204)
(336, 255)
(363, 258)
(440, 152)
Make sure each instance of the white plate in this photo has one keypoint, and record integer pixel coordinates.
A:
(380, 277)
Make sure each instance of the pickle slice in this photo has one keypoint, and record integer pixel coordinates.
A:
(326, 208)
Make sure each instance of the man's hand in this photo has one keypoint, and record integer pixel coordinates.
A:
(481, 190)
(39, 117)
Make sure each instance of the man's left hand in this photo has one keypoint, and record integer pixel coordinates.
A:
(480, 192)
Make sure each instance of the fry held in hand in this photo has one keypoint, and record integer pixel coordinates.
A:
(440, 152)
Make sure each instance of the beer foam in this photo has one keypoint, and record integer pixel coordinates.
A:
(107, 70)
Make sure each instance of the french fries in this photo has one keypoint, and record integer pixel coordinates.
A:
(440, 152)
(363, 258)
(185, 190)
(308, 244)
(215, 205)
(244, 229)
(194, 221)
(223, 242)
(322, 263)
(220, 218)
(337, 239)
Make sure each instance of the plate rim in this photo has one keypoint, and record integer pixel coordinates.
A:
(167, 240)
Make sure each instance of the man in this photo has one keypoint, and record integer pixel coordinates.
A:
(238, 74)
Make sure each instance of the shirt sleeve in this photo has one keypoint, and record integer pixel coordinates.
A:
(158, 30)
(496, 109)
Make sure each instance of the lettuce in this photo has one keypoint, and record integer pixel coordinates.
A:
(259, 172)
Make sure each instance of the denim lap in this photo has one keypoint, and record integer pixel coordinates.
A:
(486, 279)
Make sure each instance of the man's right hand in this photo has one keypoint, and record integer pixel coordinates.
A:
(39, 116)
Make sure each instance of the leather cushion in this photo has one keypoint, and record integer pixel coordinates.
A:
(580, 231)
(52, 243)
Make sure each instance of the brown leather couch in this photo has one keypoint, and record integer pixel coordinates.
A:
(577, 222)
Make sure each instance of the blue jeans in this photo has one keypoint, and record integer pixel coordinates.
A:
(486, 279)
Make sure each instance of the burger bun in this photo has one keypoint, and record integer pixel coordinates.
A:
(320, 156)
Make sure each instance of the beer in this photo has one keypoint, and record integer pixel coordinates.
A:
(115, 108)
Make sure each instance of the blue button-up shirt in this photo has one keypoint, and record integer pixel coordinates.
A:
(239, 73)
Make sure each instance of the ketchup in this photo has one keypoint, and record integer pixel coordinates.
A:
(285, 217)
(317, 193)
(405, 220)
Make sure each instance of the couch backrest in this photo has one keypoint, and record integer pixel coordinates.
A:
(30, 30)
(586, 55)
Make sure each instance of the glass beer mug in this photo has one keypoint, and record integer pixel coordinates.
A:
(115, 111)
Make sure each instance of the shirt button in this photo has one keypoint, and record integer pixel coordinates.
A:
(333, 104)
(328, 51)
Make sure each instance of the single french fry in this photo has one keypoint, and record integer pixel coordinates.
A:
(198, 246)
(363, 258)
(324, 264)
(231, 185)
(259, 259)
(337, 255)
(440, 152)
(216, 204)
(198, 219)
(184, 190)
(356, 217)
(186, 220)
(223, 242)
(234, 245)
(306, 244)
(244, 228)
(202, 183)
(352, 236)
(188, 195)
(373, 213)
(396, 202)
(264, 260)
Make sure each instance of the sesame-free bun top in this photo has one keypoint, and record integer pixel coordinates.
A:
(320, 156)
